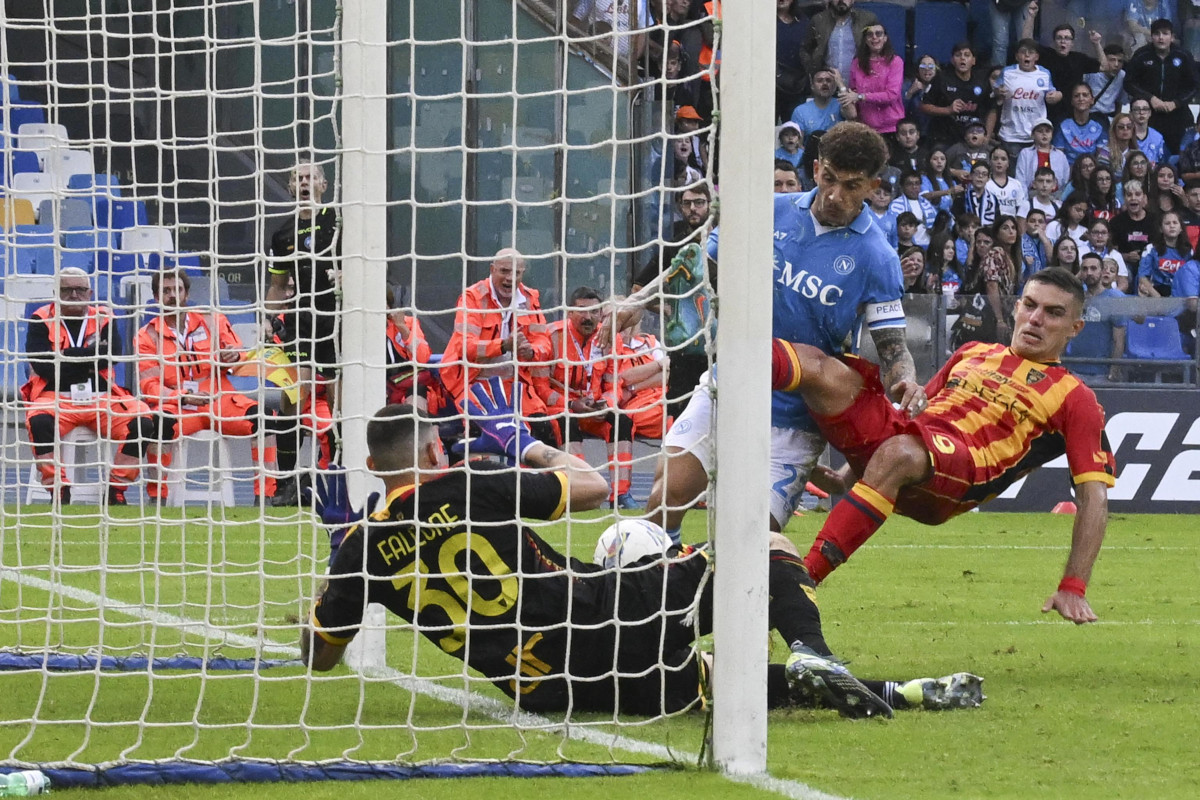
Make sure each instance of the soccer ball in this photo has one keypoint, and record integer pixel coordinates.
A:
(624, 542)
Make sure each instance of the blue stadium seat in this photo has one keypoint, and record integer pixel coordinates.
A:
(29, 250)
(117, 213)
(189, 261)
(21, 112)
(86, 239)
(101, 182)
(1156, 338)
(894, 19)
(23, 161)
(83, 259)
(937, 27)
(14, 89)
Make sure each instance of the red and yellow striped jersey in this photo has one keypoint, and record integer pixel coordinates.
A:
(1016, 415)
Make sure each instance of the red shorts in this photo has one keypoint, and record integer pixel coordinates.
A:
(871, 419)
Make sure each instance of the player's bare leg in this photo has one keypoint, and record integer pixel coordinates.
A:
(679, 481)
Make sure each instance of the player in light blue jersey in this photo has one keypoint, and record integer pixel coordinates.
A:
(833, 268)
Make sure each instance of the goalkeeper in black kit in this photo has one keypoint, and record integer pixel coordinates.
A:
(450, 555)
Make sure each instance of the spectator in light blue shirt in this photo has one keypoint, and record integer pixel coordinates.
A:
(1149, 141)
(821, 111)
(878, 202)
(1080, 133)
(789, 144)
(1108, 85)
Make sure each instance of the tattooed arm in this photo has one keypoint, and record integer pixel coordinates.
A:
(897, 370)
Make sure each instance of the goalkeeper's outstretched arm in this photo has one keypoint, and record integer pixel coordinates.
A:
(586, 488)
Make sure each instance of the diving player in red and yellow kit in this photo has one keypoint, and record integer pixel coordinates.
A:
(995, 414)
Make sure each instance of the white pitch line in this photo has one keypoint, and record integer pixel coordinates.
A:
(161, 618)
(459, 698)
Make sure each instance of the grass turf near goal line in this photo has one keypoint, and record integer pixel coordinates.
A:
(1071, 711)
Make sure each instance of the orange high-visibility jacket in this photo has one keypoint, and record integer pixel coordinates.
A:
(474, 350)
(167, 358)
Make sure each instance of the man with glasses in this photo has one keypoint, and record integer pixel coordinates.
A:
(1164, 75)
(1149, 141)
(71, 346)
(1066, 66)
(694, 204)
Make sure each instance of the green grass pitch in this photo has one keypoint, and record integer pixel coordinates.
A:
(1105, 710)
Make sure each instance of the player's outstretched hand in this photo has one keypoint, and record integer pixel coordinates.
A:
(831, 481)
(331, 501)
(502, 431)
(1072, 607)
(910, 396)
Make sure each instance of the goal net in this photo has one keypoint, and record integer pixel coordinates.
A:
(143, 136)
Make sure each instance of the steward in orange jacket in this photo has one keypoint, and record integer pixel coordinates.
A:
(184, 357)
(70, 346)
(499, 330)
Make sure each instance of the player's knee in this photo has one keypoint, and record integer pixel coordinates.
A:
(903, 459)
(41, 432)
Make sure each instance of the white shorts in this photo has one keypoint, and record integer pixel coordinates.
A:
(793, 452)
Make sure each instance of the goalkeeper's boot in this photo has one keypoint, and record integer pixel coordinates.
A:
(823, 680)
(960, 690)
(116, 496)
(287, 494)
(62, 495)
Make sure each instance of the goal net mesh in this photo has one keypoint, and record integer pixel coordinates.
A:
(140, 136)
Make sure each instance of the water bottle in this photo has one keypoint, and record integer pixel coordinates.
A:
(23, 784)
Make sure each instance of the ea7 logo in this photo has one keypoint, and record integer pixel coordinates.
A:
(1150, 434)
(1157, 452)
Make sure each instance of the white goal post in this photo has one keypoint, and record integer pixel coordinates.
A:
(156, 635)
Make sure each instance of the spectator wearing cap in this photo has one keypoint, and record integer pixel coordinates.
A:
(1164, 74)
(789, 144)
(972, 150)
(1079, 133)
(821, 111)
(688, 122)
(956, 97)
(1066, 65)
(1042, 154)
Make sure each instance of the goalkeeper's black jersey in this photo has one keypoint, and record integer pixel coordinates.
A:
(452, 557)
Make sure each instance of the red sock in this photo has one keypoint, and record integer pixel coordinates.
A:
(852, 521)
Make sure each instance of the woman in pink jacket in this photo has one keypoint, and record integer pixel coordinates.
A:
(877, 76)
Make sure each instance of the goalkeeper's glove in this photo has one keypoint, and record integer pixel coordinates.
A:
(332, 504)
(502, 430)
